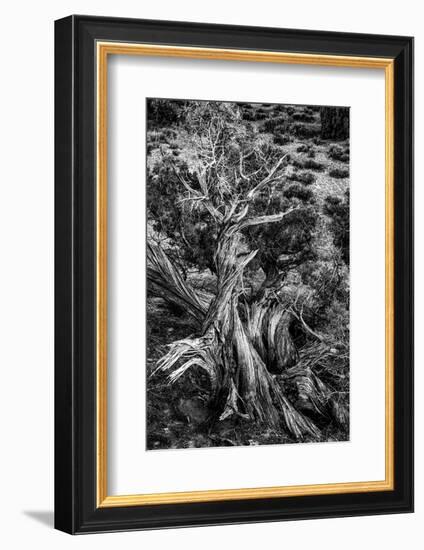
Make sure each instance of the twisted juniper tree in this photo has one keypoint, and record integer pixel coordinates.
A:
(226, 206)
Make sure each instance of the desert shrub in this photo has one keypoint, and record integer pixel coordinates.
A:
(306, 148)
(282, 139)
(305, 130)
(161, 112)
(249, 116)
(269, 107)
(307, 178)
(282, 128)
(298, 191)
(303, 148)
(248, 113)
(302, 117)
(339, 173)
(313, 165)
(338, 211)
(163, 192)
(169, 133)
(310, 164)
(280, 109)
(336, 152)
(271, 124)
(260, 115)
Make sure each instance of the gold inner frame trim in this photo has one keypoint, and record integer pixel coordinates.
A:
(103, 50)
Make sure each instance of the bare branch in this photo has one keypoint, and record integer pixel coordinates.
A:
(242, 214)
(306, 326)
(260, 220)
(196, 195)
(242, 158)
(268, 179)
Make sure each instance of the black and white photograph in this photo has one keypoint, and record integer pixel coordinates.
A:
(247, 274)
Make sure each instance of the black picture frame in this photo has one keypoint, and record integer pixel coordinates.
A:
(76, 510)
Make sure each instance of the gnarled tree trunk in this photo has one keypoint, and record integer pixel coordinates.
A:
(240, 346)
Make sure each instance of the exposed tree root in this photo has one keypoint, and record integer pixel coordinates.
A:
(240, 357)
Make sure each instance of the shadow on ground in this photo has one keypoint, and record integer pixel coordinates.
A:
(46, 517)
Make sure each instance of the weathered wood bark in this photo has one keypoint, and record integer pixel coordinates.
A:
(334, 123)
(241, 355)
(165, 280)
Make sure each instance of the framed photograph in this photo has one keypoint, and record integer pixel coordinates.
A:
(234, 269)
